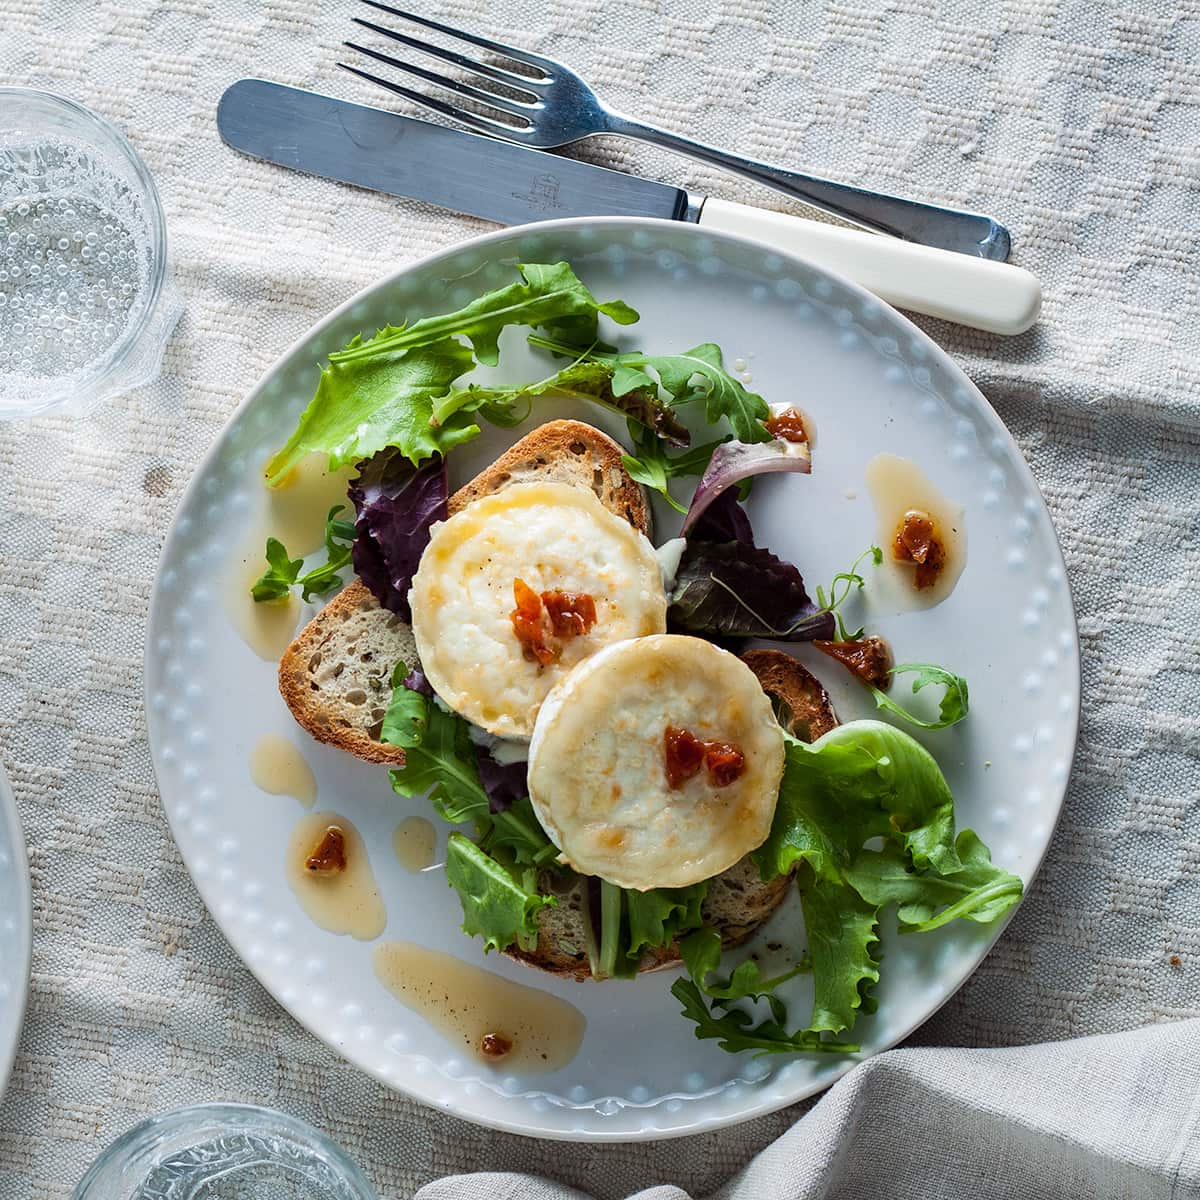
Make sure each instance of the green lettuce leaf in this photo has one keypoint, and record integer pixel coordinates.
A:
(658, 916)
(587, 380)
(861, 780)
(701, 953)
(547, 294)
(363, 405)
(979, 891)
(843, 938)
(497, 906)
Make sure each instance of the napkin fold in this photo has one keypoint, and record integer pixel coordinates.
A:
(1110, 1117)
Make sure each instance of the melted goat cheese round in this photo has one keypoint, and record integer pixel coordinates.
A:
(554, 536)
(597, 763)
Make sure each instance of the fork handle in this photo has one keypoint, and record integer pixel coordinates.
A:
(929, 224)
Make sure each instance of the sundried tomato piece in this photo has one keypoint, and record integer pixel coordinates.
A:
(528, 626)
(495, 1045)
(684, 755)
(572, 614)
(725, 763)
(328, 856)
(788, 425)
(917, 542)
(870, 658)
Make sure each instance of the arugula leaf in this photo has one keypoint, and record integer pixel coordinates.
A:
(978, 891)
(843, 940)
(701, 953)
(407, 717)
(736, 1030)
(955, 700)
(276, 581)
(440, 758)
(653, 467)
(365, 404)
(723, 395)
(545, 294)
(282, 572)
(847, 581)
(581, 380)
(497, 906)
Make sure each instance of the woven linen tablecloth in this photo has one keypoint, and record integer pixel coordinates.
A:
(1076, 121)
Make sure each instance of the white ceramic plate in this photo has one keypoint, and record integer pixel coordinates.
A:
(872, 382)
(15, 930)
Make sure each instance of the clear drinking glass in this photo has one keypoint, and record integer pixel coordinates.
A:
(86, 302)
(223, 1152)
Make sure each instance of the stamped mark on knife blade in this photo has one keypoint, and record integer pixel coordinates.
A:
(543, 194)
(365, 129)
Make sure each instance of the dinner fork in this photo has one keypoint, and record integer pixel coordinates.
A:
(547, 105)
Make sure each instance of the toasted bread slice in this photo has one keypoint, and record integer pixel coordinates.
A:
(335, 677)
(738, 901)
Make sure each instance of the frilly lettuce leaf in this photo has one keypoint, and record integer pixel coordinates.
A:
(978, 891)
(843, 941)
(441, 760)
(363, 405)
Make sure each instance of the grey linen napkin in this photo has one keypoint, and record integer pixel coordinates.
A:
(1111, 1117)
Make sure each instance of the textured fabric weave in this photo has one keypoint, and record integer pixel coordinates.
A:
(1076, 121)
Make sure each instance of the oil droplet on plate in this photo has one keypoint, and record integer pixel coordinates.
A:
(898, 486)
(414, 841)
(340, 901)
(278, 767)
(532, 1030)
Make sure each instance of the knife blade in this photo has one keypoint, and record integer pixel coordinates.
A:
(514, 185)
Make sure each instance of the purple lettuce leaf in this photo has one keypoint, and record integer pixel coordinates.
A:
(736, 590)
(732, 462)
(396, 503)
(505, 783)
(724, 520)
(415, 681)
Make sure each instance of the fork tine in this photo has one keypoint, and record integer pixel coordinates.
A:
(461, 115)
(546, 65)
(499, 74)
(500, 103)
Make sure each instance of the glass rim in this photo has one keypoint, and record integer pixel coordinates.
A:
(116, 354)
(239, 1115)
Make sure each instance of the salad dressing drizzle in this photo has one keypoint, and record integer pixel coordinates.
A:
(295, 513)
(478, 1011)
(278, 767)
(414, 840)
(898, 486)
(267, 628)
(342, 902)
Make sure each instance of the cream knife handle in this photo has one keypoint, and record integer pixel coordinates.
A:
(997, 297)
